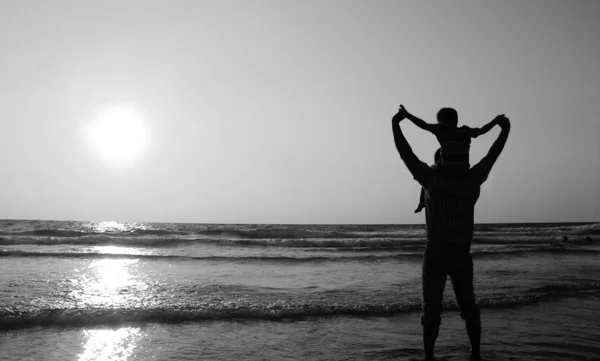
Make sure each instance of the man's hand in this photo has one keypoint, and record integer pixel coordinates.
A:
(401, 115)
(503, 121)
(498, 117)
(404, 109)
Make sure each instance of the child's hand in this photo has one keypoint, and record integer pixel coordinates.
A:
(401, 115)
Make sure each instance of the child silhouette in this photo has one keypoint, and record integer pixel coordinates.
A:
(454, 141)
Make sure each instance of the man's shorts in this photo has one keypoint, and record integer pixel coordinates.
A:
(439, 261)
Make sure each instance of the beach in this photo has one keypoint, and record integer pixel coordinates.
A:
(138, 291)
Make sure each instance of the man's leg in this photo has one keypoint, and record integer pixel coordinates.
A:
(434, 280)
(461, 275)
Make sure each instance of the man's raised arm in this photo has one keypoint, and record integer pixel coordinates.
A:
(483, 168)
(420, 171)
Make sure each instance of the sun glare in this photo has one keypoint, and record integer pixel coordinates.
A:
(118, 134)
(110, 344)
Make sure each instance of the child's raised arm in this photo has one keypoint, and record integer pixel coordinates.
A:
(486, 128)
(420, 122)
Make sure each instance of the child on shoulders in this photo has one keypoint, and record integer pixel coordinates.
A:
(455, 141)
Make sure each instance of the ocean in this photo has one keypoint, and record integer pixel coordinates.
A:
(157, 291)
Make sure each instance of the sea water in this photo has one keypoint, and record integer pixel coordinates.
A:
(151, 291)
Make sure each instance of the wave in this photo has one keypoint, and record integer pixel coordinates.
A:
(506, 240)
(175, 241)
(404, 232)
(346, 255)
(339, 243)
(82, 233)
(553, 229)
(11, 317)
(224, 231)
(543, 250)
(283, 259)
(95, 240)
(565, 288)
(299, 236)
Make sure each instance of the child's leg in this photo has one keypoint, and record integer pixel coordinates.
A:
(421, 201)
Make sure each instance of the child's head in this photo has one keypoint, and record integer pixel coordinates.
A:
(448, 117)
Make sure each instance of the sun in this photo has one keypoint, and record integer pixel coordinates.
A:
(118, 134)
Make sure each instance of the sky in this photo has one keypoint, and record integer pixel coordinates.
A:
(279, 111)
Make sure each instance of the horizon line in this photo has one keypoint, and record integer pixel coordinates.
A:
(290, 224)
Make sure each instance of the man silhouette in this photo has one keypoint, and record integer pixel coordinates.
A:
(450, 197)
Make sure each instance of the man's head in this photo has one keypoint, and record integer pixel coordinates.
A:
(451, 172)
(448, 117)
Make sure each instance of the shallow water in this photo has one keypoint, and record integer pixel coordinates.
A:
(564, 329)
(81, 291)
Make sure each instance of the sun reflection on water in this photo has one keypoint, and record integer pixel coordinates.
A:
(109, 344)
(103, 227)
(119, 250)
(111, 227)
(109, 282)
(112, 274)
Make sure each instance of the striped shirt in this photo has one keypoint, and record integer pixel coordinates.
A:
(455, 143)
(450, 202)
(450, 195)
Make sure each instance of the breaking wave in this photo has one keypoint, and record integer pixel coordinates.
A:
(352, 255)
(338, 243)
(11, 318)
(484, 232)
